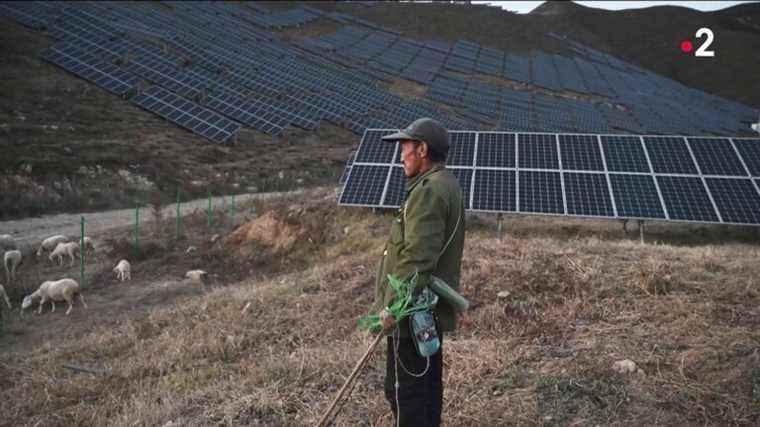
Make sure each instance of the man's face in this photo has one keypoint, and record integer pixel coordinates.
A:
(411, 157)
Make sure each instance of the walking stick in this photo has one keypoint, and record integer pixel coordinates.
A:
(323, 421)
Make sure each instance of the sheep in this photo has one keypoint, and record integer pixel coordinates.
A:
(60, 290)
(7, 242)
(49, 244)
(5, 297)
(89, 245)
(11, 260)
(71, 249)
(123, 270)
(197, 276)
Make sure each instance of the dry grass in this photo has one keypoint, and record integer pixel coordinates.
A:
(578, 301)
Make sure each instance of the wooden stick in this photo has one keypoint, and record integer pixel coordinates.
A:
(359, 365)
(79, 369)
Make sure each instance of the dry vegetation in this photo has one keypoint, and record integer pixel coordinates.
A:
(581, 295)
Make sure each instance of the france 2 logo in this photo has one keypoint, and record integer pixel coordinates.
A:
(702, 51)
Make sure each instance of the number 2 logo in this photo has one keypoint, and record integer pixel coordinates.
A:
(702, 51)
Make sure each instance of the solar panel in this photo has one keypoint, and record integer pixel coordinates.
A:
(541, 192)
(587, 175)
(580, 152)
(716, 156)
(495, 190)
(106, 75)
(461, 148)
(749, 148)
(365, 185)
(686, 198)
(737, 199)
(538, 151)
(624, 153)
(373, 149)
(587, 194)
(187, 114)
(464, 176)
(396, 192)
(636, 196)
(669, 155)
(496, 150)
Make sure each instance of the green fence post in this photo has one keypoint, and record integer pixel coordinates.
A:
(137, 228)
(178, 216)
(82, 251)
(233, 206)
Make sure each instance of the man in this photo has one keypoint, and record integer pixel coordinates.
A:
(427, 238)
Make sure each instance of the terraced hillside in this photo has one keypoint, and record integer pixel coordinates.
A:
(288, 83)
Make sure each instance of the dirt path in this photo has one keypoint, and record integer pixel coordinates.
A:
(33, 230)
(155, 283)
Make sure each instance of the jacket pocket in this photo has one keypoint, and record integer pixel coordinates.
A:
(397, 232)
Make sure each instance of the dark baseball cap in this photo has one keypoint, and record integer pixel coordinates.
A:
(424, 129)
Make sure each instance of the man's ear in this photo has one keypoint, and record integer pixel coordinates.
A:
(424, 149)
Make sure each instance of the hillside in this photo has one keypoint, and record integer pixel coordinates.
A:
(555, 303)
(71, 146)
(649, 37)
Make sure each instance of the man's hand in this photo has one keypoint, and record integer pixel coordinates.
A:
(387, 320)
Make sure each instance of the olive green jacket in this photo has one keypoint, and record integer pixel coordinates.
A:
(423, 225)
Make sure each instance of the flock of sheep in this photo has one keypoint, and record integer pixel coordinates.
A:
(57, 248)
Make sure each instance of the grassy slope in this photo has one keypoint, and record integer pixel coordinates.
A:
(582, 296)
(96, 128)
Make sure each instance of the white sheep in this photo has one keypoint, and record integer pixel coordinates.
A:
(197, 276)
(49, 244)
(60, 290)
(5, 296)
(123, 270)
(89, 245)
(71, 249)
(7, 242)
(11, 260)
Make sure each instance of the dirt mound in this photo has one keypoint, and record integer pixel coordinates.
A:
(268, 230)
(290, 228)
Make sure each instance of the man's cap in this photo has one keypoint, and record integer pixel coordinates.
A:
(424, 129)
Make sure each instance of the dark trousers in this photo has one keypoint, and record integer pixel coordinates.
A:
(419, 399)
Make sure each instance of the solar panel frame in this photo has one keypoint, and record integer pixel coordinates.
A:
(668, 155)
(379, 152)
(496, 149)
(685, 198)
(735, 199)
(461, 148)
(395, 190)
(187, 114)
(584, 191)
(749, 153)
(536, 144)
(501, 201)
(575, 158)
(362, 177)
(536, 190)
(716, 156)
(541, 192)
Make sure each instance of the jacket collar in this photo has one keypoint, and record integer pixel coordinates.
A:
(419, 178)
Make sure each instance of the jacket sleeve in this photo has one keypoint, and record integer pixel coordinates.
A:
(424, 233)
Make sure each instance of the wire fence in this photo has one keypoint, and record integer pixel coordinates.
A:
(219, 211)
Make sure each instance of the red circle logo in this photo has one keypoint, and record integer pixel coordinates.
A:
(686, 46)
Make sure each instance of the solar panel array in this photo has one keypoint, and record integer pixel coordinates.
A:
(228, 58)
(694, 179)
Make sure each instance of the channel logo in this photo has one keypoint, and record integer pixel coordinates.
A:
(703, 51)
